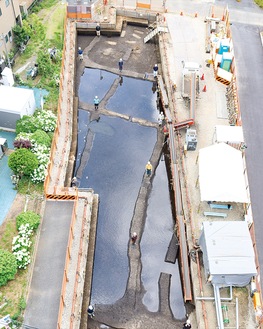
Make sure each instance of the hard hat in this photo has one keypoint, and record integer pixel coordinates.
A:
(149, 162)
(79, 48)
(96, 96)
(134, 233)
(188, 321)
(155, 65)
(120, 59)
(90, 308)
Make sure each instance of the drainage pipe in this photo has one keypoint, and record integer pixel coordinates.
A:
(224, 299)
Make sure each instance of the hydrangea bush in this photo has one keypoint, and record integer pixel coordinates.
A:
(21, 246)
(36, 129)
(44, 120)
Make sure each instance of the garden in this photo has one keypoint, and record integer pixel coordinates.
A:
(36, 42)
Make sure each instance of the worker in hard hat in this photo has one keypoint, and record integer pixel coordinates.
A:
(120, 64)
(148, 168)
(134, 237)
(96, 102)
(80, 53)
(90, 311)
(187, 324)
(155, 70)
(98, 29)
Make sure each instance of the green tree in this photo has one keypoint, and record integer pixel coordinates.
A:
(8, 266)
(20, 35)
(22, 162)
(28, 217)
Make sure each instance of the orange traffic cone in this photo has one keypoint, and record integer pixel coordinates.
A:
(204, 89)
(195, 14)
(203, 77)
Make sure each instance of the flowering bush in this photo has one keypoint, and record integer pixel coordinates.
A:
(40, 146)
(42, 119)
(21, 246)
(46, 120)
(42, 153)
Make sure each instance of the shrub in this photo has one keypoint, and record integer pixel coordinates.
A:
(28, 217)
(21, 246)
(22, 162)
(41, 138)
(8, 266)
(46, 120)
(27, 124)
(22, 143)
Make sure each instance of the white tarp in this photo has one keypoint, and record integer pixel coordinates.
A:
(221, 174)
(229, 134)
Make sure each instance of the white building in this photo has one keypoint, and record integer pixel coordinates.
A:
(14, 104)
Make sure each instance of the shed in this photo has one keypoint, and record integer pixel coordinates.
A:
(228, 253)
(14, 104)
(221, 174)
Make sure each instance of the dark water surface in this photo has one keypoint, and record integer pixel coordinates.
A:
(111, 159)
(154, 245)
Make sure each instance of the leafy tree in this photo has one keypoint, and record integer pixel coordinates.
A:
(41, 137)
(28, 217)
(34, 28)
(45, 65)
(22, 162)
(20, 35)
(8, 266)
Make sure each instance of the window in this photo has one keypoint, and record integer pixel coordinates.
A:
(7, 2)
(10, 36)
(0, 12)
(6, 38)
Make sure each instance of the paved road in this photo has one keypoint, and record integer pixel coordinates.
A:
(249, 51)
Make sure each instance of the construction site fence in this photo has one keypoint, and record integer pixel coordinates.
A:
(54, 147)
(67, 261)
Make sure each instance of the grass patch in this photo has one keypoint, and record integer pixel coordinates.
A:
(26, 186)
(12, 294)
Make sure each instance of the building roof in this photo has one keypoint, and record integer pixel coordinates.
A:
(228, 248)
(221, 174)
(13, 99)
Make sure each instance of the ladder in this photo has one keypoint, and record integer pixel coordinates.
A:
(158, 29)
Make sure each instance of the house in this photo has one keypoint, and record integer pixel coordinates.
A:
(10, 16)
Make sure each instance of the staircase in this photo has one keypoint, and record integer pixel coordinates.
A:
(154, 32)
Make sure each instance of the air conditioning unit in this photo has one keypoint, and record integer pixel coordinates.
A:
(23, 9)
